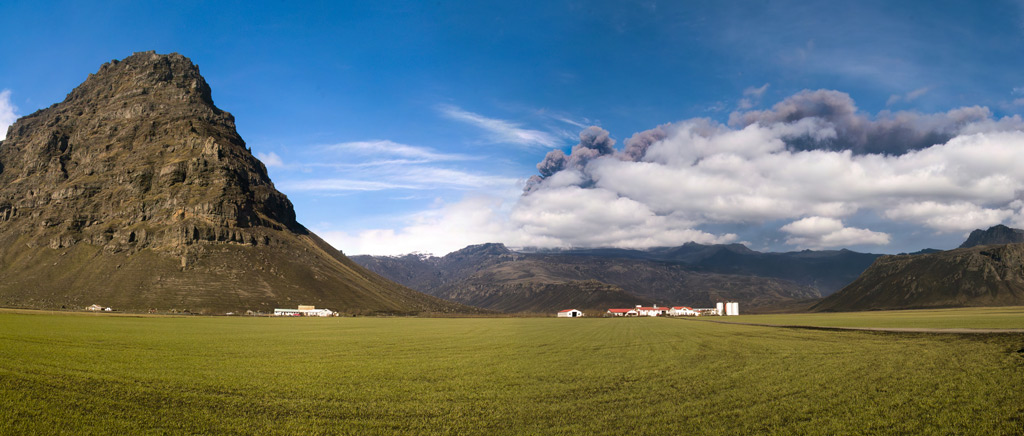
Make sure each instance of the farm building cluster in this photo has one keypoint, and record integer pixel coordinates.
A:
(721, 309)
(305, 311)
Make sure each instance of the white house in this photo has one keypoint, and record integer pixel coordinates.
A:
(320, 312)
(569, 313)
(682, 311)
(304, 311)
(651, 311)
(94, 308)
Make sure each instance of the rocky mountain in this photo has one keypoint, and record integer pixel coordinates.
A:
(137, 192)
(995, 235)
(484, 274)
(989, 275)
(988, 270)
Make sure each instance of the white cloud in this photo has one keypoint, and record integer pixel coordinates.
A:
(501, 131)
(813, 226)
(391, 148)
(573, 216)
(913, 95)
(271, 159)
(950, 217)
(418, 178)
(440, 230)
(706, 173)
(7, 112)
(755, 92)
(751, 97)
(342, 185)
(908, 97)
(822, 232)
(699, 174)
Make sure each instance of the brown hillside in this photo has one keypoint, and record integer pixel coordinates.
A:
(137, 192)
(489, 274)
(991, 275)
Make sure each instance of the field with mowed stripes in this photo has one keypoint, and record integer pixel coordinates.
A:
(82, 374)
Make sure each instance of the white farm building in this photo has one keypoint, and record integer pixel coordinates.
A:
(569, 313)
(682, 311)
(304, 311)
(731, 308)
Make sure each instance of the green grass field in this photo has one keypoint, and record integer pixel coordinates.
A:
(969, 318)
(76, 374)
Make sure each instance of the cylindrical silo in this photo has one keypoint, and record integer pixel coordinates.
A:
(732, 308)
(720, 307)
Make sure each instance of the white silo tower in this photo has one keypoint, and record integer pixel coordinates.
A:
(720, 307)
(732, 308)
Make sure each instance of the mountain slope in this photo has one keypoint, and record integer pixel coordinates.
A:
(539, 296)
(826, 271)
(137, 192)
(479, 273)
(990, 275)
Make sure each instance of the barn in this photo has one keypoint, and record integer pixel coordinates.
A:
(569, 313)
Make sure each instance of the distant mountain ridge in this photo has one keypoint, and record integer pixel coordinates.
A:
(827, 270)
(691, 274)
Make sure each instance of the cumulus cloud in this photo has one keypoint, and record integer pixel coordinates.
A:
(835, 177)
(823, 232)
(574, 216)
(807, 160)
(7, 112)
(501, 131)
(959, 216)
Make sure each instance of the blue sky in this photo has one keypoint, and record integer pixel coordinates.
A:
(414, 126)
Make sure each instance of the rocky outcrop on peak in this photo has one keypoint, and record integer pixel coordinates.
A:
(137, 192)
(995, 235)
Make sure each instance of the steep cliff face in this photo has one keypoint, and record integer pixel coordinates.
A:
(137, 192)
(991, 275)
(137, 157)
